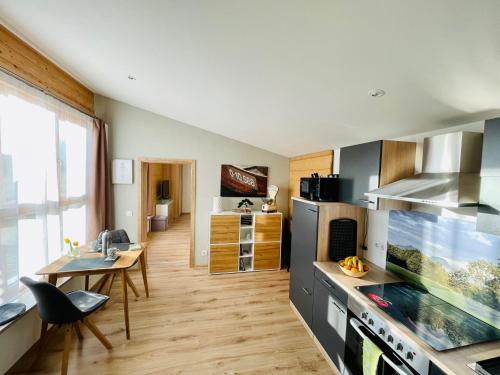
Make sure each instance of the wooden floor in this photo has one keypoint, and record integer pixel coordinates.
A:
(193, 323)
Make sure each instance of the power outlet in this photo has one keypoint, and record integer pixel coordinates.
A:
(129, 213)
(204, 253)
(379, 245)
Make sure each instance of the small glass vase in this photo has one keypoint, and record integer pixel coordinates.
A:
(68, 249)
(75, 251)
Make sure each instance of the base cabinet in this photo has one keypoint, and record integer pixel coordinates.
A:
(224, 258)
(266, 256)
(245, 242)
(329, 321)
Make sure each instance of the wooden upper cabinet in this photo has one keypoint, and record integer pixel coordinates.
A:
(397, 161)
(267, 227)
(224, 258)
(224, 229)
(267, 256)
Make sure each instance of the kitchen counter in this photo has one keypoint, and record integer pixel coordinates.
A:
(453, 361)
(315, 203)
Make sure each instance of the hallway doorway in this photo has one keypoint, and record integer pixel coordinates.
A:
(167, 199)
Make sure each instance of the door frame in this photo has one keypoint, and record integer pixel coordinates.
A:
(141, 228)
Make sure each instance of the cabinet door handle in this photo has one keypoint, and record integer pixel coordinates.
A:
(306, 291)
(340, 310)
(328, 283)
(312, 210)
(365, 200)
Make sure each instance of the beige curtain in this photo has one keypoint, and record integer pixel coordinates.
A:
(100, 209)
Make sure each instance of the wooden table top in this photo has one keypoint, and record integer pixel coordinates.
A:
(126, 260)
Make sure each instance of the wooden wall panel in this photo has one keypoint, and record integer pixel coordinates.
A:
(303, 166)
(20, 59)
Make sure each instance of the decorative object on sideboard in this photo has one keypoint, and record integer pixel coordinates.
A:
(218, 205)
(244, 206)
(270, 202)
(122, 172)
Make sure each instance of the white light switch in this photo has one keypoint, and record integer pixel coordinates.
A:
(129, 213)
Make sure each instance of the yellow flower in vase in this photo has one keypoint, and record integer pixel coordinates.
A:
(68, 247)
(76, 249)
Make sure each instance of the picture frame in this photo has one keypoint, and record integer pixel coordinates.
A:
(122, 172)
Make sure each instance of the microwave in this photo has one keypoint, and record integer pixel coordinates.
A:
(324, 189)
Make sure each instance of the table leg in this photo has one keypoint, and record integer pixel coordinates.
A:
(125, 302)
(45, 325)
(111, 280)
(142, 258)
(87, 280)
(103, 283)
(132, 285)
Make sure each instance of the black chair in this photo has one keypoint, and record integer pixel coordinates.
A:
(66, 310)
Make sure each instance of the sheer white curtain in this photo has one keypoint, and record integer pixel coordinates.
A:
(44, 173)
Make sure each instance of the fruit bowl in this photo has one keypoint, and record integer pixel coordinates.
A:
(352, 274)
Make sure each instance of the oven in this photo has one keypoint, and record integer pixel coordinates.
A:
(389, 364)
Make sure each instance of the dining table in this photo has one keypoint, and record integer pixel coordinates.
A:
(91, 262)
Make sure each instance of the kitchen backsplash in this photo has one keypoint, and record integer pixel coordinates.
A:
(449, 258)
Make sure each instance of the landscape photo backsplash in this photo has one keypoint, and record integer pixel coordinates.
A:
(449, 258)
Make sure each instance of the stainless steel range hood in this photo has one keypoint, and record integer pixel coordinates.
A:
(450, 173)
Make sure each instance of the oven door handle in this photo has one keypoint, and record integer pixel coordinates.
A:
(357, 327)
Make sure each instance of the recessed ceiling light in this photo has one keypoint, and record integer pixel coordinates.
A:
(376, 93)
(131, 77)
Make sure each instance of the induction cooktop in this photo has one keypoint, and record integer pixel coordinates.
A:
(440, 324)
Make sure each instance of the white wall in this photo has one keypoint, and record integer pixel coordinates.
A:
(186, 188)
(378, 220)
(135, 133)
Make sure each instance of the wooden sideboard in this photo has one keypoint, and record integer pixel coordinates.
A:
(244, 242)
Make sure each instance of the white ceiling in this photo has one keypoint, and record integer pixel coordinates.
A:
(287, 76)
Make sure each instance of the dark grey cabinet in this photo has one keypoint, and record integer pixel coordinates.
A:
(359, 171)
(303, 254)
(368, 166)
(330, 318)
(488, 216)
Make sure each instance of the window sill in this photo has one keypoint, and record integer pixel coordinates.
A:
(28, 299)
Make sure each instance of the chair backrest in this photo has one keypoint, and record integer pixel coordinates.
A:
(117, 236)
(53, 305)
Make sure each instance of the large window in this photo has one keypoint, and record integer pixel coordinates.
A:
(44, 174)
